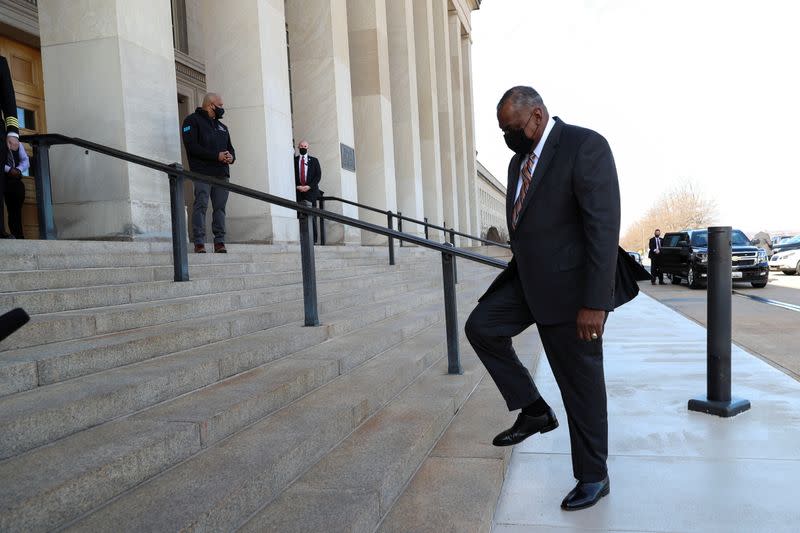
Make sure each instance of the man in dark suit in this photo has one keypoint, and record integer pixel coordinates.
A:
(307, 175)
(10, 143)
(563, 214)
(655, 258)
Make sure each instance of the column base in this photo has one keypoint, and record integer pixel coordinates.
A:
(724, 409)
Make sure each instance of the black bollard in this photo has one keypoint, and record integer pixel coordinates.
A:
(718, 400)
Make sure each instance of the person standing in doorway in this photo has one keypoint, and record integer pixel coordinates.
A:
(307, 175)
(655, 258)
(10, 144)
(210, 152)
(563, 214)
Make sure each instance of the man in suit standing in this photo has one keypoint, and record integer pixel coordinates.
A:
(563, 214)
(10, 144)
(307, 175)
(655, 258)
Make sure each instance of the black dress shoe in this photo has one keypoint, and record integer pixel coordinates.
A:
(525, 426)
(585, 495)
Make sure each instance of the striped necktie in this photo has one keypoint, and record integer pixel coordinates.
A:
(526, 175)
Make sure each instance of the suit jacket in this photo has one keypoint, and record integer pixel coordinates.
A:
(313, 177)
(652, 246)
(565, 244)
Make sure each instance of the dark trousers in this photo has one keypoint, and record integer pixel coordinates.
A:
(14, 196)
(577, 366)
(655, 269)
(219, 198)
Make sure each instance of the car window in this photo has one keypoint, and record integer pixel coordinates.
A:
(700, 238)
(793, 240)
(671, 240)
(739, 239)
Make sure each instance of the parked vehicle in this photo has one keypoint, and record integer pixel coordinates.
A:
(787, 262)
(684, 256)
(637, 256)
(778, 239)
(792, 243)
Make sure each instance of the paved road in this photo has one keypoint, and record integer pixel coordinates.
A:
(771, 332)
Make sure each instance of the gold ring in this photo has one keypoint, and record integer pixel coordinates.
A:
(594, 336)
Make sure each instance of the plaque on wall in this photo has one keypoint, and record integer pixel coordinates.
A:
(348, 157)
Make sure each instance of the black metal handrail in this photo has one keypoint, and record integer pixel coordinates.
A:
(176, 174)
(401, 217)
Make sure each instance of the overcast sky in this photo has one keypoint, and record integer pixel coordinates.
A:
(707, 90)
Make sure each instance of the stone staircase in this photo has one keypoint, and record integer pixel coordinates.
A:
(133, 403)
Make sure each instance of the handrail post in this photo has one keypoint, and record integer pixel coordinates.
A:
(453, 244)
(309, 269)
(180, 253)
(426, 227)
(400, 225)
(44, 192)
(390, 238)
(451, 313)
(322, 222)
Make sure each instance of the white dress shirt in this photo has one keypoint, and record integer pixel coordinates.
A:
(538, 151)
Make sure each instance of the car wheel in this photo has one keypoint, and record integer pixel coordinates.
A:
(791, 272)
(694, 283)
(759, 285)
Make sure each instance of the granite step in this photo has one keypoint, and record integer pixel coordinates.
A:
(28, 368)
(82, 323)
(373, 465)
(44, 255)
(69, 299)
(118, 455)
(90, 276)
(228, 481)
(36, 417)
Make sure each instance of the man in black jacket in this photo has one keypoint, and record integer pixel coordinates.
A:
(307, 175)
(8, 105)
(563, 214)
(208, 146)
(655, 258)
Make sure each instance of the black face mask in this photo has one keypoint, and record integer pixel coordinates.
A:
(218, 112)
(303, 151)
(517, 141)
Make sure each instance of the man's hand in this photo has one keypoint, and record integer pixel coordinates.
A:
(657, 251)
(12, 142)
(15, 173)
(590, 321)
(303, 188)
(225, 157)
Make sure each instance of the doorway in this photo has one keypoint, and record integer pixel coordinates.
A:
(25, 63)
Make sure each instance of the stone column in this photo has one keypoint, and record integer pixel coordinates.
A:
(405, 111)
(469, 129)
(322, 111)
(246, 63)
(427, 97)
(445, 96)
(459, 124)
(372, 110)
(109, 72)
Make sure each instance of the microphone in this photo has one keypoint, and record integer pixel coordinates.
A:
(12, 321)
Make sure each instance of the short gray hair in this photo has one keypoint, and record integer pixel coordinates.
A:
(521, 96)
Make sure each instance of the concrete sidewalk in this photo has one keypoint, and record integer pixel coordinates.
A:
(671, 470)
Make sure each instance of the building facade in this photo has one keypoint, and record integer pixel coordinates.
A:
(491, 205)
(381, 89)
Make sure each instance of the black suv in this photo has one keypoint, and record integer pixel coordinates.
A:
(684, 255)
